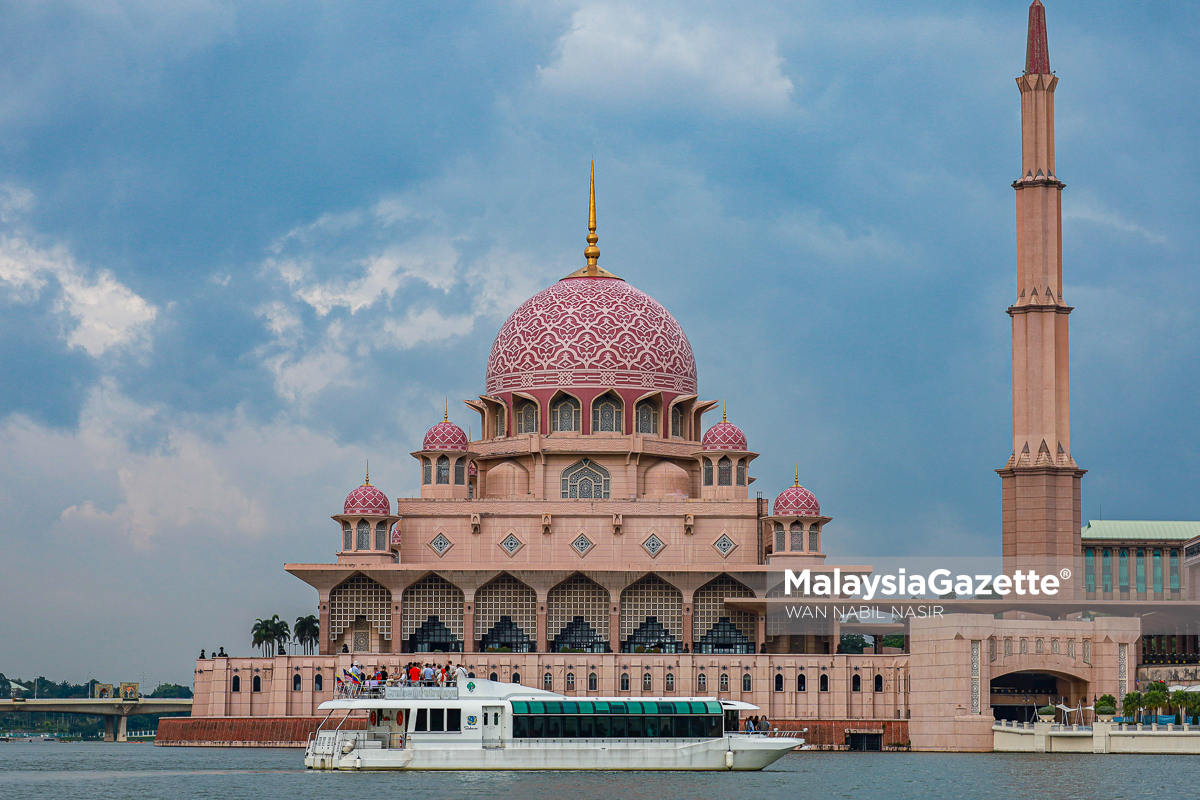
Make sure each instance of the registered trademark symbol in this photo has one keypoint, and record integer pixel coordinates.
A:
(1064, 574)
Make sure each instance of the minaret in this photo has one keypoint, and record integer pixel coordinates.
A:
(1041, 482)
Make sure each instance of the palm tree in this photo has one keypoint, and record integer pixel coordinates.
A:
(1155, 698)
(1131, 704)
(263, 636)
(280, 631)
(308, 632)
(1180, 700)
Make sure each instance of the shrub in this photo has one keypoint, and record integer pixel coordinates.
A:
(1106, 710)
(1046, 711)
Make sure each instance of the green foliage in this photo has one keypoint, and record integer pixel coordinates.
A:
(894, 640)
(1131, 703)
(308, 633)
(1045, 711)
(171, 690)
(852, 643)
(1106, 709)
(1106, 700)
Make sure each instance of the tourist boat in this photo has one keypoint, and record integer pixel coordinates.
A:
(481, 724)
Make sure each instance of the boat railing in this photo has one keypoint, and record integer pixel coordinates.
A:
(331, 743)
(409, 692)
(774, 734)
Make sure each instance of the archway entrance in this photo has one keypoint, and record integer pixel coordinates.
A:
(1018, 695)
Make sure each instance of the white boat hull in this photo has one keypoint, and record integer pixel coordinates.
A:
(726, 753)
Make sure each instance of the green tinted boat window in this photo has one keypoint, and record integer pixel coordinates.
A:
(520, 707)
(570, 708)
(553, 708)
(536, 707)
(585, 708)
(699, 707)
(617, 708)
(634, 707)
(602, 707)
(714, 707)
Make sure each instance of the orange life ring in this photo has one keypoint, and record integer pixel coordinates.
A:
(373, 720)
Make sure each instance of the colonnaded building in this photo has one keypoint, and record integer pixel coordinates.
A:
(599, 539)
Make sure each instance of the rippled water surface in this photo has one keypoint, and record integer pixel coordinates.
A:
(53, 770)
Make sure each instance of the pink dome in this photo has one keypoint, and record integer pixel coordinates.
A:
(445, 436)
(797, 501)
(724, 436)
(591, 331)
(366, 499)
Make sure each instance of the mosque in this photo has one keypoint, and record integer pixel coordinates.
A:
(599, 539)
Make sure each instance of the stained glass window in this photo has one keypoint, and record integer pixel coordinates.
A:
(364, 535)
(500, 428)
(724, 472)
(527, 418)
(460, 472)
(779, 538)
(443, 470)
(606, 414)
(381, 536)
(426, 471)
(646, 417)
(741, 472)
(585, 480)
(814, 539)
(676, 421)
(564, 415)
(708, 472)
(796, 534)
(347, 536)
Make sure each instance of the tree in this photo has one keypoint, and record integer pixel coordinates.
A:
(1180, 701)
(281, 631)
(1131, 704)
(262, 636)
(1155, 697)
(852, 643)
(308, 633)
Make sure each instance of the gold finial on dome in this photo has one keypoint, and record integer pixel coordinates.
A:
(797, 483)
(367, 482)
(591, 252)
(446, 414)
(724, 410)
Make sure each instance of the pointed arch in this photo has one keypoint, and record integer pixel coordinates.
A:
(717, 629)
(586, 480)
(432, 616)
(608, 411)
(565, 414)
(506, 615)
(577, 616)
(651, 615)
(359, 597)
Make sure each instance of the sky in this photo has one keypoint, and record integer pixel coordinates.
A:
(246, 247)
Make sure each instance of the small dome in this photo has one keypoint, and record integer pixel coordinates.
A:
(796, 501)
(367, 499)
(724, 436)
(445, 436)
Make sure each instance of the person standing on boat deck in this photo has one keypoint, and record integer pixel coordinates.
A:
(460, 674)
(763, 724)
(414, 674)
(749, 728)
(427, 674)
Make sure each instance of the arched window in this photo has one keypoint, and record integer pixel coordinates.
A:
(426, 471)
(318, 683)
(879, 683)
(796, 531)
(778, 682)
(347, 536)
(585, 480)
(676, 421)
(1106, 569)
(564, 415)
(493, 677)
(443, 470)
(624, 681)
(606, 414)
(501, 430)
(647, 682)
(381, 536)
(256, 684)
(1123, 570)
(669, 682)
(824, 683)
(780, 540)
(723, 683)
(814, 539)
(548, 682)
(592, 682)
(1141, 571)
(724, 472)
(571, 681)
(707, 472)
(296, 684)
(460, 472)
(364, 535)
(856, 683)
(702, 682)
(741, 472)
(645, 417)
(1089, 567)
(746, 682)
(527, 418)
(516, 677)
(237, 684)
(801, 683)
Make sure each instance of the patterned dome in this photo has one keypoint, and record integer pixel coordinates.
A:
(797, 501)
(445, 436)
(591, 331)
(366, 499)
(724, 436)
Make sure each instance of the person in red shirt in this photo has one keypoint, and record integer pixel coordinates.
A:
(414, 674)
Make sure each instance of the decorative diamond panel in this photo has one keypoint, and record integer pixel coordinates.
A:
(654, 545)
(441, 544)
(581, 544)
(511, 544)
(724, 545)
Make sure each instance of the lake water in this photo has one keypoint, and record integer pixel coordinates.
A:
(68, 771)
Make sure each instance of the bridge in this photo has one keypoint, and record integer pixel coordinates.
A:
(116, 712)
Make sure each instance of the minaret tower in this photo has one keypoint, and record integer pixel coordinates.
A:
(1041, 482)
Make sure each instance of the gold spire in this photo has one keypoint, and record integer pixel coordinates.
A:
(797, 483)
(724, 409)
(591, 252)
(446, 415)
(367, 482)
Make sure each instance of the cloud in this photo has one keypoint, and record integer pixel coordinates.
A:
(1086, 208)
(100, 313)
(624, 55)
